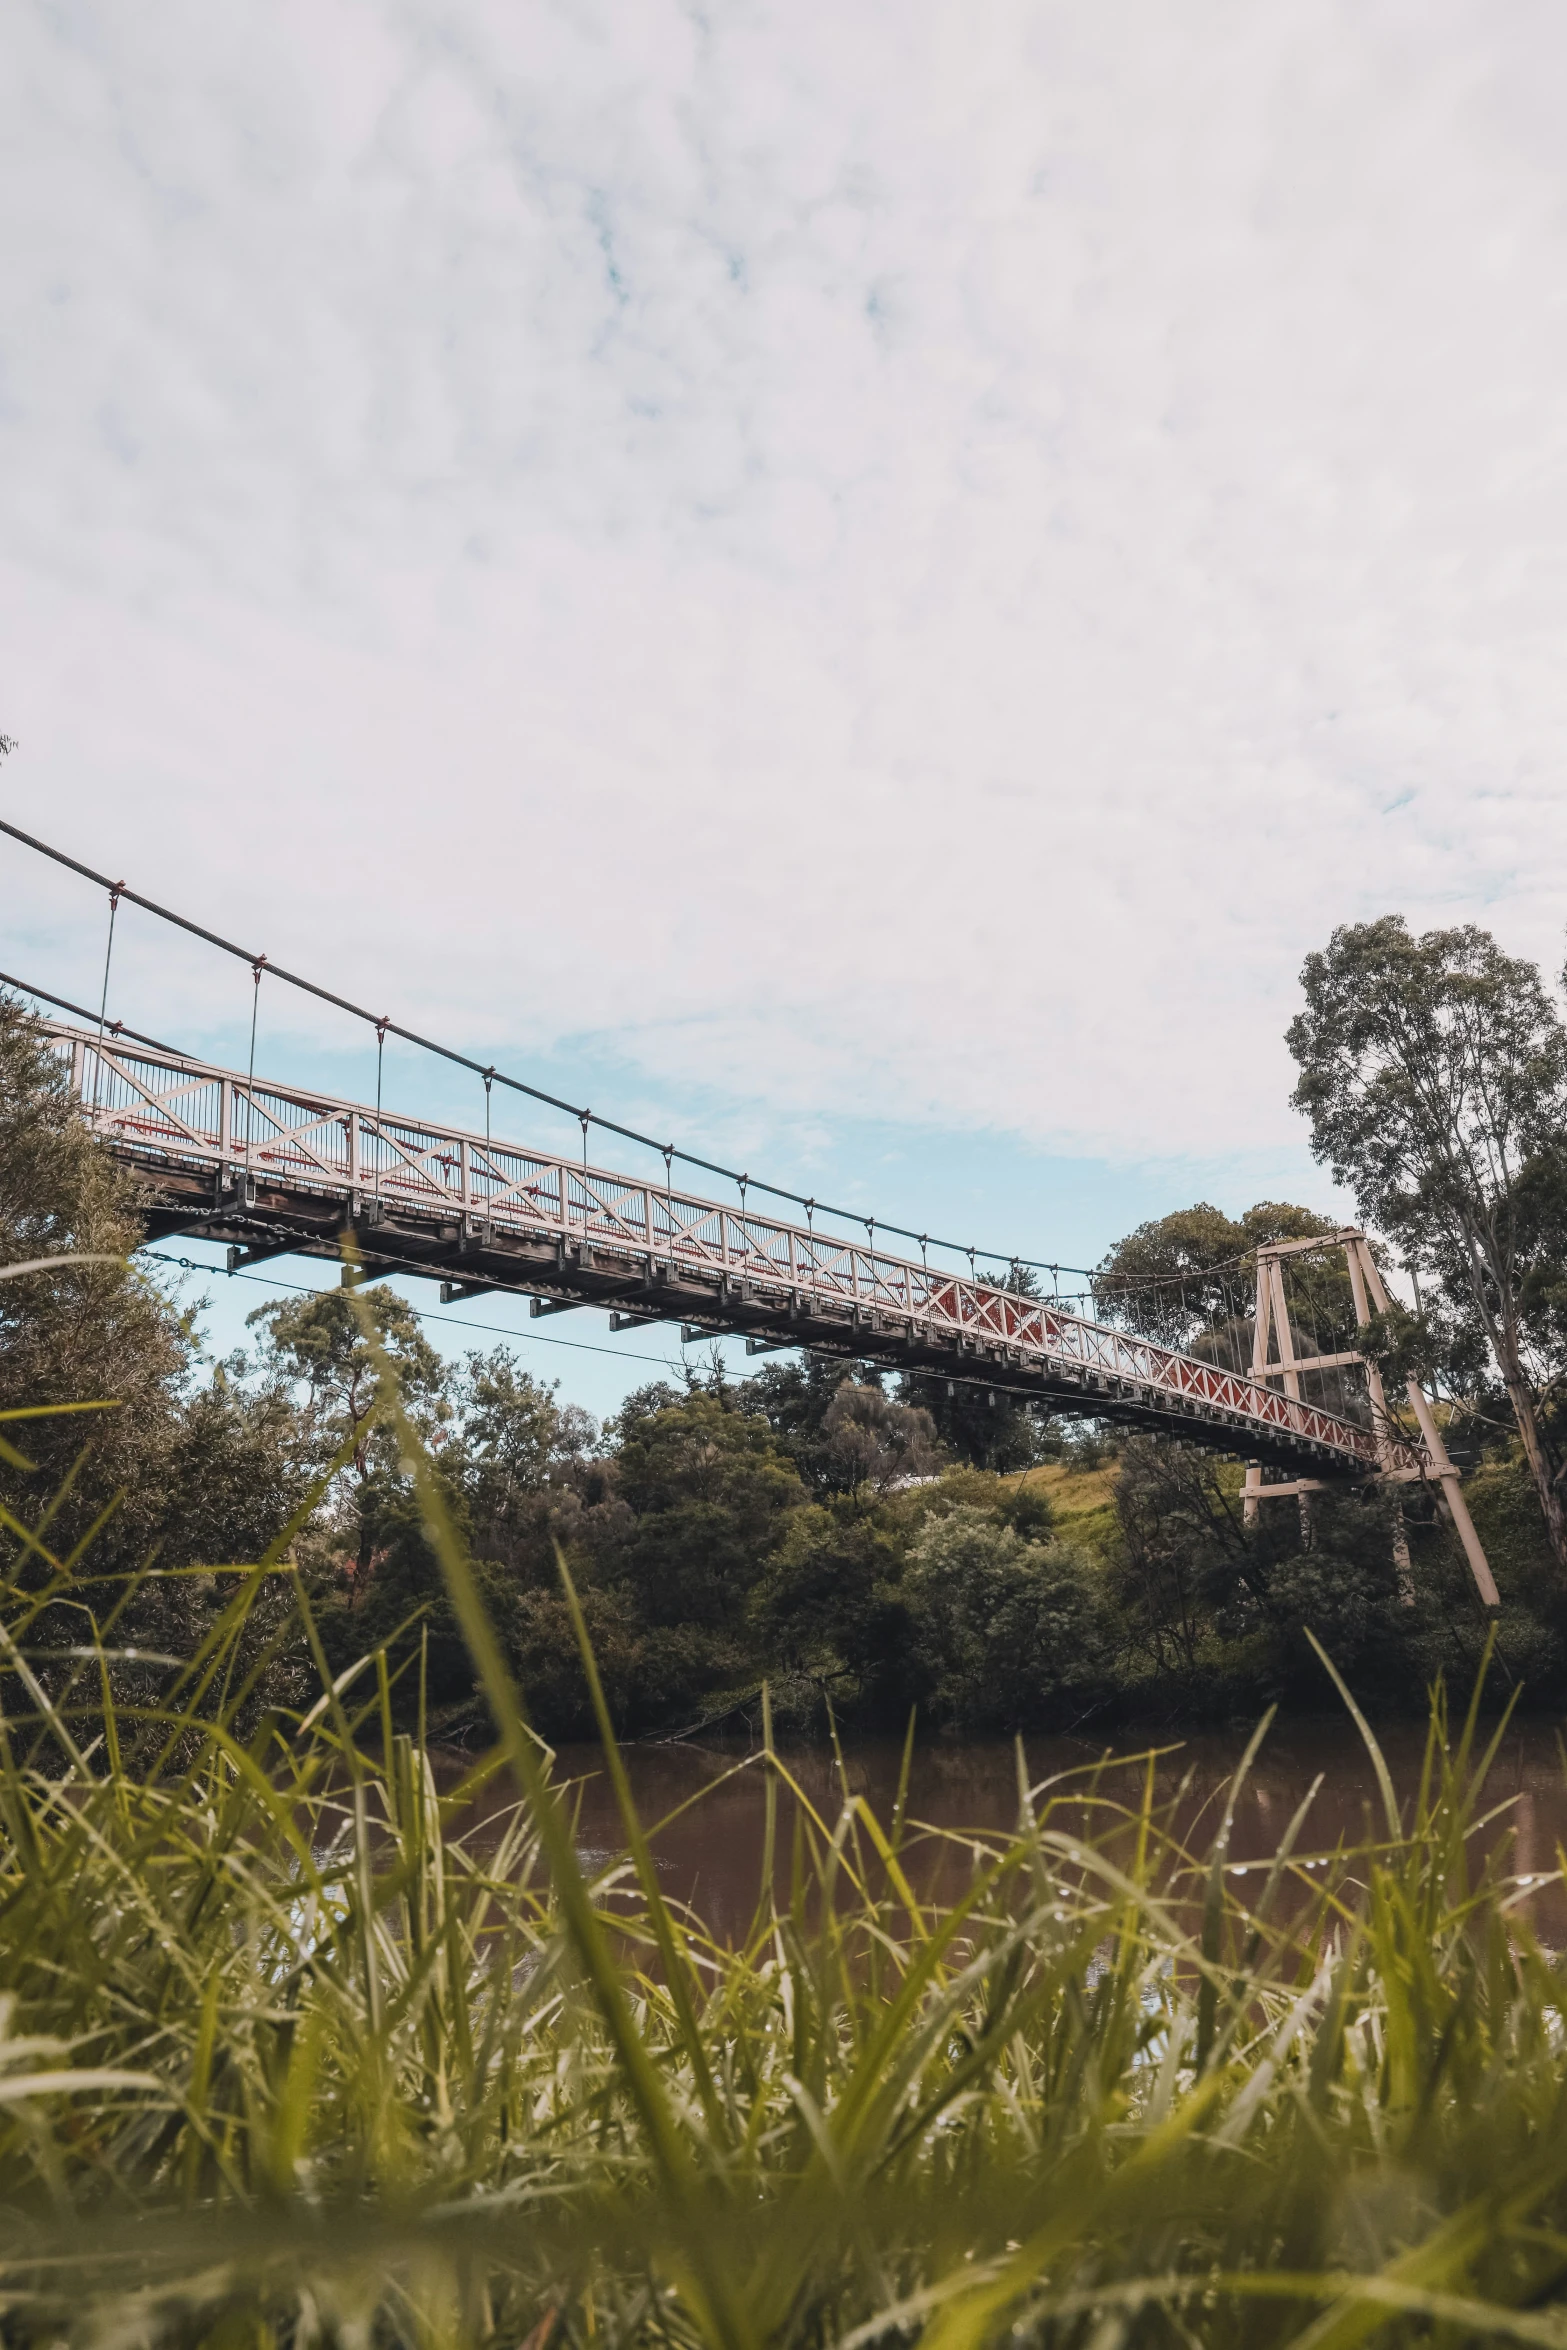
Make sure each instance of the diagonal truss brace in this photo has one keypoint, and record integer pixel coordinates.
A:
(1273, 1325)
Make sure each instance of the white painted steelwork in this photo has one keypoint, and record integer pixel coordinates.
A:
(162, 1109)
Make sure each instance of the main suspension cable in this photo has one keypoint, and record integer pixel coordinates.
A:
(429, 1044)
(384, 1026)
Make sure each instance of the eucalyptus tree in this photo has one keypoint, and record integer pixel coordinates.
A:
(1188, 1279)
(1434, 1073)
(319, 1342)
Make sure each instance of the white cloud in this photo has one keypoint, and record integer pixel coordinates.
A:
(898, 562)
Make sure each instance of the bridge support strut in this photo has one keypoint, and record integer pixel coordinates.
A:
(1272, 1326)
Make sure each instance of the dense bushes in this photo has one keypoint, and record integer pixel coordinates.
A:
(716, 1550)
(1005, 1631)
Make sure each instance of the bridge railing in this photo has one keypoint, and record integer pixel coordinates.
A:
(164, 1108)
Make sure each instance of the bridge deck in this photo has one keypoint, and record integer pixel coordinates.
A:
(270, 1168)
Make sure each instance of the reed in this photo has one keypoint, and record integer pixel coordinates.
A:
(297, 2050)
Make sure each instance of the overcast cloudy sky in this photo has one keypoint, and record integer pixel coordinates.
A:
(870, 577)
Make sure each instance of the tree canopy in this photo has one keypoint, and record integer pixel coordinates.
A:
(1433, 1071)
(1189, 1279)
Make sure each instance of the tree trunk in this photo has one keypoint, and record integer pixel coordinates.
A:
(1541, 1467)
(1502, 1330)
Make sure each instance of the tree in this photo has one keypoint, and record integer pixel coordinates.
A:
(1434, 1073)
(1027, 1508)
(795, 1398)
(1188, 1570)
(870, 1440)
(1175, 1276)
(182, 1473)
(1182, 1534)
(94, 1333)
(827, 1605)
(711, 1491)
(512, 1422)
(237, 1473)
(513, 1442)
(1189, 1279)
(320, 1343)
(533, 1483)
(1007, 1632)
(985, 1425)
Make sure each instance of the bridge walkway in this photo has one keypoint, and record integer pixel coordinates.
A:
(272, 1169)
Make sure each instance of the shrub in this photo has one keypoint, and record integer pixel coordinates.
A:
(1005, 1632)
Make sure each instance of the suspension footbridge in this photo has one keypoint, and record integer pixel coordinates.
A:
(272, 1170)
(268, 1169)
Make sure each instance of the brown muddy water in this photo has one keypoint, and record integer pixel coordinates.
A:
(710, 1854)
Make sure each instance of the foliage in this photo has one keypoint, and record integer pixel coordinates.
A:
(297, 2048)
(828, 1607)
(324, 1343)
(1005, 1631)
(1326, 1573)
(1174, 1277)
(794, 1396)
(1217, 1615)
(531, 1474)
(148, 1461)
(89, 1332)
(1180, 1524)
(1189, 1279)
(709, 1489)
(825, 1430)
(515, 1433)
(394, 1598)
(1027, 1508)
(872, 1441)
(1434, 1073)
(984, 1425)
(236, 1473)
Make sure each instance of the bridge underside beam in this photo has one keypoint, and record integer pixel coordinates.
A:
(271, 1219)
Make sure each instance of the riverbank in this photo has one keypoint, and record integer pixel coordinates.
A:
(298, 2048)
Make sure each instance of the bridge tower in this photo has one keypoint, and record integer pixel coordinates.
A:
(1272, 1329)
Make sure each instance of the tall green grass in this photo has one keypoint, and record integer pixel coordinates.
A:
(298, 2049)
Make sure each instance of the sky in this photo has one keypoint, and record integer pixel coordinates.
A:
(855, 585)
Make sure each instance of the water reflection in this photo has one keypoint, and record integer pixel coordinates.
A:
(711, 1853)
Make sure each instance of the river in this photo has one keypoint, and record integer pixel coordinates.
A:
(710, 1855)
